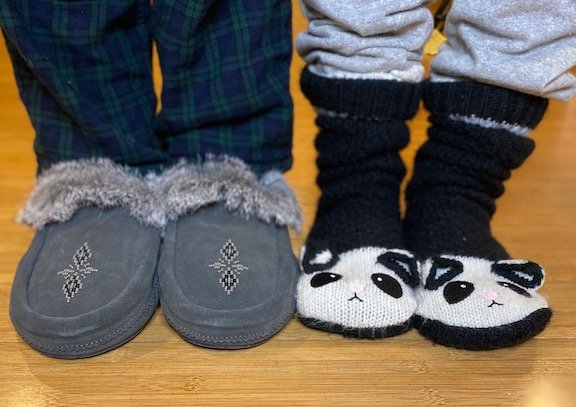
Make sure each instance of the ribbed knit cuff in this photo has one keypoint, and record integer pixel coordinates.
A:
(472, 99)
(365, 99)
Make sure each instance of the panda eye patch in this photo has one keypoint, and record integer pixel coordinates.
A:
(515, 288)
(321, 279)
(387, 284)
(457, 291)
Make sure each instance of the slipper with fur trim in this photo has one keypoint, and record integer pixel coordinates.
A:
(87, 284)
(227, 271)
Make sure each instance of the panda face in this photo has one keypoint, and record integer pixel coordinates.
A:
(361, 288)
(478, 293)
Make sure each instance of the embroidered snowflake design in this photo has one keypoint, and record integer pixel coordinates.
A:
(229, 266)
(76, 271)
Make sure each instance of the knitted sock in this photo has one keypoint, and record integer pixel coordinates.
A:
(358, 278)
(473, 296)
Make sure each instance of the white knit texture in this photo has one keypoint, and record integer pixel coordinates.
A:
(354, 301)
(489, 305)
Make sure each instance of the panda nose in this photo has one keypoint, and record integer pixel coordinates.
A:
(490, 295)
(356, 287)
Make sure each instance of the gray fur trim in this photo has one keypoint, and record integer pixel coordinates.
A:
(225, 179)
(71, 185)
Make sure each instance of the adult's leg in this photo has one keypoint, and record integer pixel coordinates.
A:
(88, 282)
(84, 73)
(227, 271)
(225, 68)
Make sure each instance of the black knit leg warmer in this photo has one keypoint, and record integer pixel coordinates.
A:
(358, 278)
(473, 296)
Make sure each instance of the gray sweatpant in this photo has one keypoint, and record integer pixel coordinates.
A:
(524, 45)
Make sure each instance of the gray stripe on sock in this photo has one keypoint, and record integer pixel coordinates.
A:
(492, 124)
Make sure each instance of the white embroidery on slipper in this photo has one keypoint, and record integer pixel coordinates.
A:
(229, 266)
(76, 271)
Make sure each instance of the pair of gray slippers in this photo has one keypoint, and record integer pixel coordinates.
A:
(209, 242)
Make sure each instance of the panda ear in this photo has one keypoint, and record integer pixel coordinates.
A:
(404, 264)
(440, 270)
(315, 258)
(524, 273)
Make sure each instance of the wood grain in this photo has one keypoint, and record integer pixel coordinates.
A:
(535, 219)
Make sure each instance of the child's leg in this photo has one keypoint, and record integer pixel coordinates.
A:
(528, 46)
(225, 68)
(87, 284)
(473, 296)
(227, 271)
(84, 73)
(365, 39)
(363, 74)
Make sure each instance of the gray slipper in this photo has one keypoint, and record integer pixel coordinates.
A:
(227, 271)
(87, 283)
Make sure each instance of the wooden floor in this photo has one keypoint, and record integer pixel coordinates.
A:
(536, 219)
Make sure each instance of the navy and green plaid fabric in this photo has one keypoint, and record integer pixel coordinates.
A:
(226, 70)
(84, 73)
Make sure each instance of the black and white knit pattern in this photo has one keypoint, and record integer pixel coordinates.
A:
(361, 131)
(475, 303)
(478, 136)
(365, 293)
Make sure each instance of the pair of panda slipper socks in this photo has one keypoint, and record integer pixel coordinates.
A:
(369, 274)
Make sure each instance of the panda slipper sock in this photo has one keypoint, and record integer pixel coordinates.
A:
(472, 295)
(358, 279)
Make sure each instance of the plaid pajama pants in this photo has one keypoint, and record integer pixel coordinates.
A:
(83, 69)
